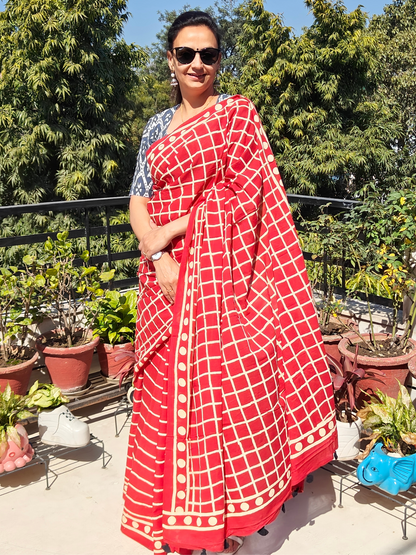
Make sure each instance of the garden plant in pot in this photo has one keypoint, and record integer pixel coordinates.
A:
(333, 326)
(383, 236)
(346, 379)
(113, 319)
(69, 348)
(57, 425)
(389, 460)
(15, 449)
(325, 239)
(20, 299)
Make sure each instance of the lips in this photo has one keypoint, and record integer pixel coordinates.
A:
(196, 77)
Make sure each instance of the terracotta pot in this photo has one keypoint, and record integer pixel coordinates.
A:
(15, 456)
(18, 376)
(331, 342)
(68, 366)
(349, 439)
(395, 368)
(111, 357)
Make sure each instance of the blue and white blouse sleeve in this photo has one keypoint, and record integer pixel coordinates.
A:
(142, 184)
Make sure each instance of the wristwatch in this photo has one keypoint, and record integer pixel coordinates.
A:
(156, 256)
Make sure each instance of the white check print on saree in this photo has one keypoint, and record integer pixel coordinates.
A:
(234, 403)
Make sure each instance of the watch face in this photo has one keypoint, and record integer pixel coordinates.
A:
(156, 256)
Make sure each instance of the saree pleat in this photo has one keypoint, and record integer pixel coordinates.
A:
(234, 403)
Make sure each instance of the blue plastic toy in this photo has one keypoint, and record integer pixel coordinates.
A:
(390, 474)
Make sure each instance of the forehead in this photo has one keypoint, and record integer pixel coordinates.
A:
(197, 37)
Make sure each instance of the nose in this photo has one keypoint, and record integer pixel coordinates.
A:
(197, 62)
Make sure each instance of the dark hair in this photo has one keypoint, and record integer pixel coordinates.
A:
(190, 19)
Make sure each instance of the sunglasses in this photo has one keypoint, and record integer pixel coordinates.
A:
(185, 55)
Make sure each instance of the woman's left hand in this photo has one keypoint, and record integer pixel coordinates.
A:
(154, 240)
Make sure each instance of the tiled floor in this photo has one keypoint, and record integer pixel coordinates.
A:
(80, 514)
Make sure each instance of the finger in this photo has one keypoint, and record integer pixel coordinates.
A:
(169, 294)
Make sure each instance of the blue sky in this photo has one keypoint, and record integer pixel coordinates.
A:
(144, 23)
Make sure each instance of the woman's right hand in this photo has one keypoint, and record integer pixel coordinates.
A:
(167, 274)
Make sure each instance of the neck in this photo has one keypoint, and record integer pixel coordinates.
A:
(191, 104)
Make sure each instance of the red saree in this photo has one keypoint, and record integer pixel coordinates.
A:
(234, 403)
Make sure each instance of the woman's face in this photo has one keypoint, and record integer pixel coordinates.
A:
(194, 78)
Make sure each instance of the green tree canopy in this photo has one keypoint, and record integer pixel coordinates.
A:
(65, 79)
(315, 94)
(395, 31)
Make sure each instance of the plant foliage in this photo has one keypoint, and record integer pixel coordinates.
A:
(20, 307)
(346, 378)
(65, 79)
(392, 421)
(315, 95)
(14, 408)
(67, 287)
(113, 317)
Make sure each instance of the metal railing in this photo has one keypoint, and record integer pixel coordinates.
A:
(89, 231)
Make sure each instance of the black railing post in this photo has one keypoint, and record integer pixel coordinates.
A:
(108, 236)
(343, 280)
(87, 230)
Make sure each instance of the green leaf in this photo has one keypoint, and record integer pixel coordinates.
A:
(13, 435)
(62, 236)
(33, 388)
(28, 260)
(3, 442)
(23, 414)
(40, 281)
(107, 276)
(7, 393)
(112, 336)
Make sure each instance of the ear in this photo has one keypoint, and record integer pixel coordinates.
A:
(219, 62)
(170, 60)
(403, 469)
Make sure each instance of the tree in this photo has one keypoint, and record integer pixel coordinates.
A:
(65, 79)
(395, 31)
(315, 94)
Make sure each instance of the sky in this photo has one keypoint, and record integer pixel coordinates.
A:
(144, 23)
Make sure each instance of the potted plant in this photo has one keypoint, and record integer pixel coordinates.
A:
(383, 236)
(346, 379)
(325, 240)
(113, 319)
(333, 325)
(15, 449)
(389, 460)
(20, 299)
(68, 349)
(57, 425)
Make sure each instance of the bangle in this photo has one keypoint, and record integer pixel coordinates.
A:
(156, 256)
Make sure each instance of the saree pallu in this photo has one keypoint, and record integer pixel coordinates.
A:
(233, 402)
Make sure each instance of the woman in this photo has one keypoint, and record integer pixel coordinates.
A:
(233, 402)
